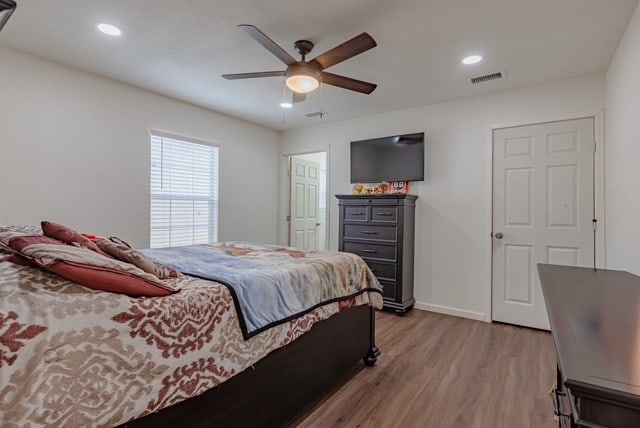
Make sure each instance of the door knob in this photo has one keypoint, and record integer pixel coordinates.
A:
(499, 235)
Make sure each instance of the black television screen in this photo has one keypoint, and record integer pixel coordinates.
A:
(396, 158)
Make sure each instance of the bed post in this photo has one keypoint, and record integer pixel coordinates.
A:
(373, 352)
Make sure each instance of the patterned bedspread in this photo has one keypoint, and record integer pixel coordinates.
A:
(272, 284)
(75, 357)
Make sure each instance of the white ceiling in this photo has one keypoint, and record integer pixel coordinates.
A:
(180, 48)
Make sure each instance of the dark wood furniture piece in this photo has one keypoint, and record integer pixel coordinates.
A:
(380, 229)
(595, 323)
(285, 383)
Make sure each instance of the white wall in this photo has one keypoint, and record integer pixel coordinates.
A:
(453, 213)
(623, 152)
(74, 148)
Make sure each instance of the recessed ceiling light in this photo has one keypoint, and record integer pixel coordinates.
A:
(109, 30)
(285, 104)
(472, 59)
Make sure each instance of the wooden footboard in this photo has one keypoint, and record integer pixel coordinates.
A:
(285, 383)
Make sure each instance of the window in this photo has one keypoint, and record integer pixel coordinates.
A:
(184, 191)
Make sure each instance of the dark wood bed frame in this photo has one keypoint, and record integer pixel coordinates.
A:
(285, 383)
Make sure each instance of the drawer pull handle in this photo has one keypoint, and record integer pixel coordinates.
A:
(369, 232)
(369, 251)
(385, 214)
(356, 214)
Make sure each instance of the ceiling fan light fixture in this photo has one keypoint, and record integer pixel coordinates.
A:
(302, 79)
(302, 84)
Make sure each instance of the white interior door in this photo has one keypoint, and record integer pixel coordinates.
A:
(304, 215)
(543, 208)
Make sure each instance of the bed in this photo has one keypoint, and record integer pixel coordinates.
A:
(74, 356)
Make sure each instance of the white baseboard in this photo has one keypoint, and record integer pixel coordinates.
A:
(479, 316)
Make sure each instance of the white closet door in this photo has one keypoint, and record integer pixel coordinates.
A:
(543, 207)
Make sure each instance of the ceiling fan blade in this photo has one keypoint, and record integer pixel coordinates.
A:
(298, 97)
(236, 76)
(347, 83)
(342, 52)
(268, 44)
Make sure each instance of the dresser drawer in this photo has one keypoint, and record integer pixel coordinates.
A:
(384, 214)
(388, 289)
(376, 233)
(371, 251)
(365, 200)
(383, 271)
(358, 200)
(356, 213)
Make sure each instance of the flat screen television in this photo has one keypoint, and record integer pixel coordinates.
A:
(395, 158)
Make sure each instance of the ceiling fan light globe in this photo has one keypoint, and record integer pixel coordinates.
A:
(301, 78)
(302, 84)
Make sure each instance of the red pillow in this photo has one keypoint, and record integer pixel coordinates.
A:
(69, 236)
(107, 280)
(9, 232)
(19, 243)
(81, 265)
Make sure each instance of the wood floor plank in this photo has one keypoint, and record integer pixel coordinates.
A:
(441, 371)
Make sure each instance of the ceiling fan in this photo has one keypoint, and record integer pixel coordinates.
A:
(305, 76)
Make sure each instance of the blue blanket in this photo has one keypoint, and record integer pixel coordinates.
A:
(269, 284)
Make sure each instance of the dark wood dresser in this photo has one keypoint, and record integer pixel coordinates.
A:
(595, 323)
(380, 229)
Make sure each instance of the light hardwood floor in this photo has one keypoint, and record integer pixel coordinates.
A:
(442, 371)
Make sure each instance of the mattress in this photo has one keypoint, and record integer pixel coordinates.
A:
(73, 356)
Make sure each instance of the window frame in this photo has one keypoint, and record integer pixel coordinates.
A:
(213, 227)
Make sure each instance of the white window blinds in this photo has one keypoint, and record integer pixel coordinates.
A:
(184, 191)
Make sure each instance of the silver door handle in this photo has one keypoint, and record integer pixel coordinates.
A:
(499, 235)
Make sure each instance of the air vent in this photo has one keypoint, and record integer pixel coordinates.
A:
(319, 114)
(486, 78)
